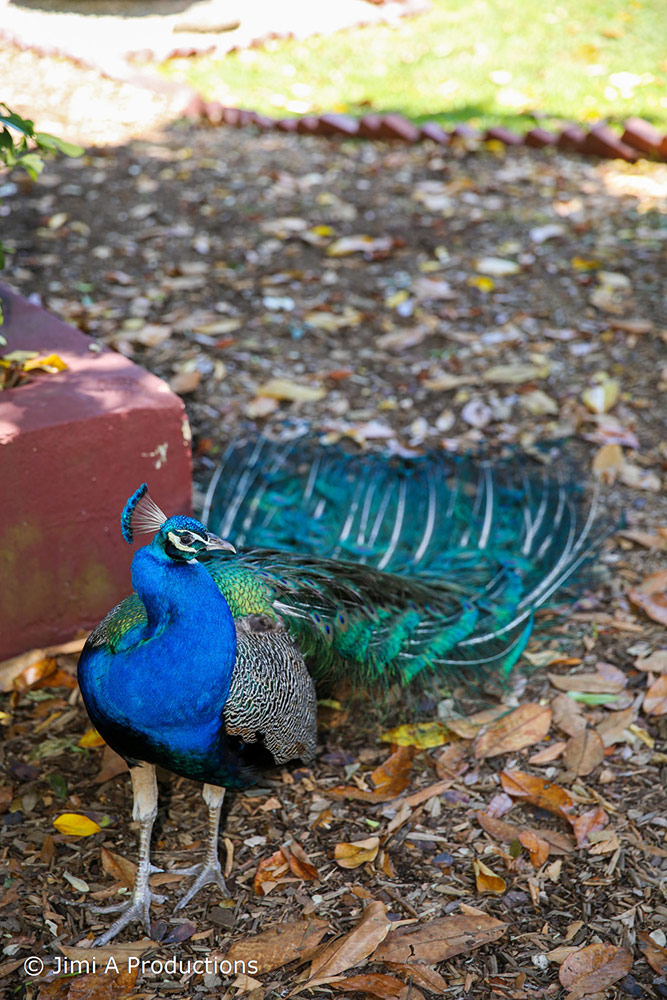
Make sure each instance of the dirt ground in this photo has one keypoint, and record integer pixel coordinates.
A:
(406, 298)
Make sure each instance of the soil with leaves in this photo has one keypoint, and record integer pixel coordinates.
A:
(403, 298)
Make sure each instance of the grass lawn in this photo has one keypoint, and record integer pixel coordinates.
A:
(485, 61)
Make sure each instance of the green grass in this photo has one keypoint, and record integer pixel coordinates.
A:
(485, 61)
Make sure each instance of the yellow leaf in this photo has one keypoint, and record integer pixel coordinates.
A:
(357, 853)
(601, 398)
(322, 230)
(395, 300)
(91, 738)
(282, 388)
(422, 734)
(581, 264)
(76, 825)
(48, 363)
(484, 284)
(487, 880)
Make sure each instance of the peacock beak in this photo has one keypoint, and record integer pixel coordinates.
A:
(215, 544)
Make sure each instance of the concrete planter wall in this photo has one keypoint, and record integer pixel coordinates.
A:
(73, 447)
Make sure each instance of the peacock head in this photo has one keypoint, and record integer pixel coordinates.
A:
(180, 538)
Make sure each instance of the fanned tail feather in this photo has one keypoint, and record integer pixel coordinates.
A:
(403, 567)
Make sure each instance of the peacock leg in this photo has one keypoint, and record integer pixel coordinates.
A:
(144, 812)
(210, 870)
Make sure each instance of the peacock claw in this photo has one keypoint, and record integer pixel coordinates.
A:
(207, 873)
(135, 909)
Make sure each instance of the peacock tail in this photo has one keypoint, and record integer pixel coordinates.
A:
(389, 569)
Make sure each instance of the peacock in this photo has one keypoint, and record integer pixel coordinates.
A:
(376, 570)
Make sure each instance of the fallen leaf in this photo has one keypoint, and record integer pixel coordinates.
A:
(526, 725)
(281, 944)
(486, 880)
(423, 735)
(440, 939)
(514, 374)
(357, 853)
(330, 322)
(601, 398)
(118, 867)
(537, 791)
(76, 825)
(90, 739)
(655, 954)
(359, 244)
(584, 752)
(652, 604)
(589, 822)
(350, 949)
(269, 872)
(185, 382)
(283, 389)
(379, 985)
(593, 969)
(656, 662)
(421, 974)
(549, 754)
(655, 700)
(389, 779)
(537, 848)
(444, 382)
(112, 764)
(589, 683)
(608, 462)
(614, 728)
(558, 843)
(299, 862)
(496, 267)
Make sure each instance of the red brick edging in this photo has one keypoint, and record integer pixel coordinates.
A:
(639, 137)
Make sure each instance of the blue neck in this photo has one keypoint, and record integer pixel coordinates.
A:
(169, 678)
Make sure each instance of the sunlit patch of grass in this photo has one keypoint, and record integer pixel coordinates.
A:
(486, 61)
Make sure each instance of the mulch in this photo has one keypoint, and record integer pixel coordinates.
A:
(483, 297)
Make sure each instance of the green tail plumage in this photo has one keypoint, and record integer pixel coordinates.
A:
(387, 568)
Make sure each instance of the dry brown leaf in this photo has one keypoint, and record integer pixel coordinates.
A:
(118, 867)
(655, 700)
(389, 779)
(651, 596)
(558, 843)
(93, 986)
(537, 848)
(567, 715)
(586, 683)
(185, 382)
(584, 752)
(450, 762)
(549, 754)
(655, 954)
(589, 822)
(356, 854)
(613, 729)
(299, 862)
(270, 871)
(295, 940)
(486, 879)
(112, 764)
(440, 939)
(350, 949)
(283, 389)
(380, 985)
(655, 663)
(523, 727)
(654, 605)
(421, 974)
(539, 792)
(593, 969)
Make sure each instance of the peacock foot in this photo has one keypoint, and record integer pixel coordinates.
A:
(208, 872)
(137, 908)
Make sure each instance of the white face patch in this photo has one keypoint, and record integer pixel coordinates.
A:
(180, 545)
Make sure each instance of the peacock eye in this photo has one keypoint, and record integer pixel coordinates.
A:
(186, 537)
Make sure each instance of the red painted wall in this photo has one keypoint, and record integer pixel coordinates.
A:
(73, 447)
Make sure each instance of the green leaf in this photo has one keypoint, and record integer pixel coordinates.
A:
(32, 163)
(592, 699)
(20, 124)
(53, 143)
(59, 785)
